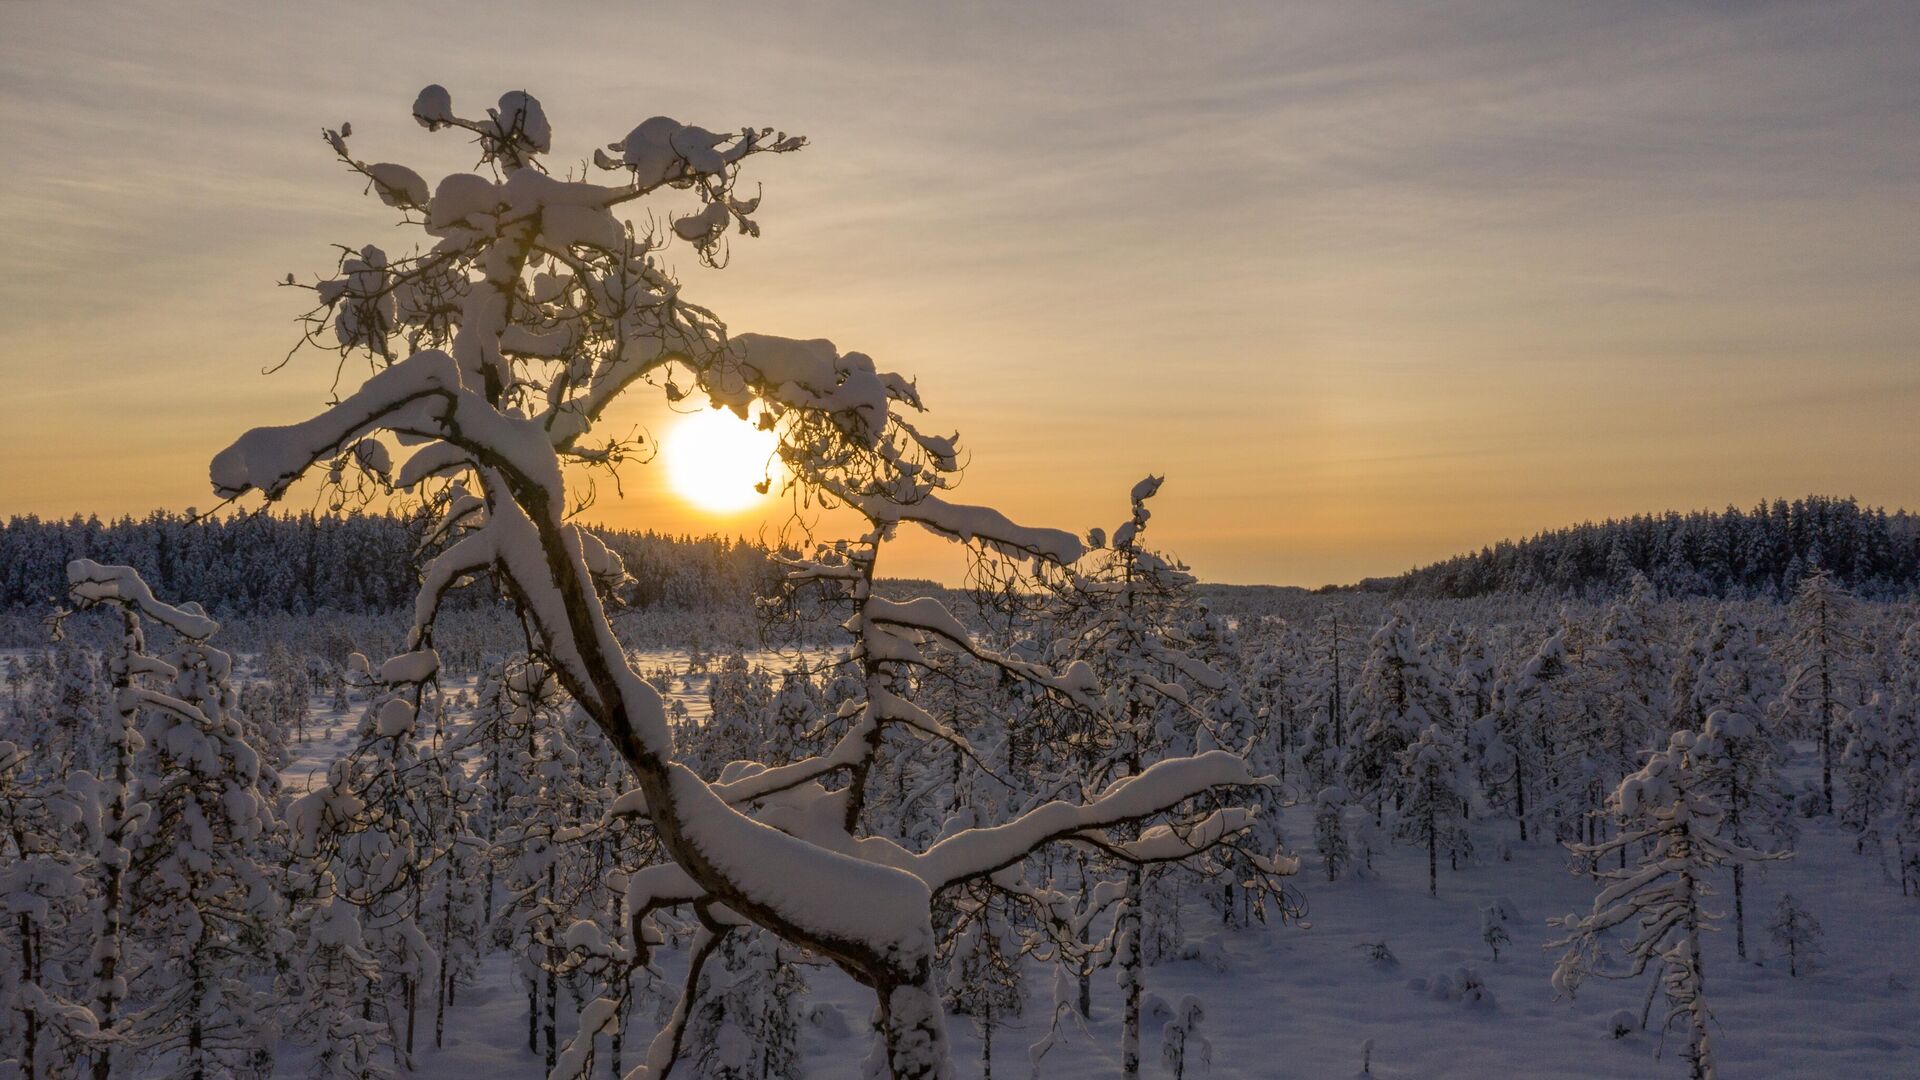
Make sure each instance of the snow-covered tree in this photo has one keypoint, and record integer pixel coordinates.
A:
(745, 1021)
(117, 805)
(1735, 761)
(1435, 794)
(1515, 742)
(1622, 686)
(1182, 1042)
(1906, 831)
(1672, 832)
(1820, 652)
(1796, 932)
(1330, 831)
(42, 1031)
(1398, 695)
(338, 981)
(495, 354)
(1869, 770)
(1739, 755)
(984, 978)
(210, 914)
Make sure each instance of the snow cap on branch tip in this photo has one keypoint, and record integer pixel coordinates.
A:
(459, 197)
(662, 149)
(704, 229)
(411, 667)
(398, 186)
(521, 118)
(395, 718)
(433, 109)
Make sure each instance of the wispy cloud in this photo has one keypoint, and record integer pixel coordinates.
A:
(1348, 264)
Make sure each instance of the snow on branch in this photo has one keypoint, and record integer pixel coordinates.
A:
(976, 525)
(90, 583)
(1160, 787)
(269, 459)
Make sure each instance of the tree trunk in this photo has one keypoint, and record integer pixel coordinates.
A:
(1826, 716)
(1128, 934)
(1433, 848)
(410, 992)
(107, 924)
(1739, 910)
(616, 1038)
(1520, 796)
(986, 1042)
(196, 1033)
(443, 985)
(30, 1053)
(1086, 980)
(553, 1013)
(912, 1027)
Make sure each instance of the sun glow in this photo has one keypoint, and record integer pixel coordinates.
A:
(714, 460)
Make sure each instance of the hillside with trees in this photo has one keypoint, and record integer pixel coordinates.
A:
(263, 563)
(1763, 553)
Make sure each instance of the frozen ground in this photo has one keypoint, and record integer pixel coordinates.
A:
(1301, 1001)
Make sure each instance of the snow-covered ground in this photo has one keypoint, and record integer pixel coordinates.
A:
(1302, 1001)
(330, 734)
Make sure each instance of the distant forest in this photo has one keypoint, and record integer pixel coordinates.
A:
(1760, 553)
(302, 563)
(364, 562)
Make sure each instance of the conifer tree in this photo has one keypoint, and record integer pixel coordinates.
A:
(1330, 831)
(1672, 832)
(1515, 742)
(210, 910)
(984, 978)
(1796, 932)
(338, 983)
(1820, 652)
(42, 1031)
(1181, 1041)
(1396, 697)
(745, 1023)
(1429, 773)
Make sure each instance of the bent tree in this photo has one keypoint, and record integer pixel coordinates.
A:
(493, 353)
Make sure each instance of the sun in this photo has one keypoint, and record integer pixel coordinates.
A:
(714, 460)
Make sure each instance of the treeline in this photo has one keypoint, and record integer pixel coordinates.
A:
(1763, 553)
(301, 563)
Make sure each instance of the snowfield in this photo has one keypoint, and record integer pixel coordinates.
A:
(1303, 1001)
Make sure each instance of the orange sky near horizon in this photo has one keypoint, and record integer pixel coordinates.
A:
(1371, 286)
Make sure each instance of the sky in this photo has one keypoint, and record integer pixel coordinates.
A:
(1370, 283)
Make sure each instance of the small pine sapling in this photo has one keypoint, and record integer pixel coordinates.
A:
(1378, 954)
(1795, 930)
(1181, 1038)
(1493, 929)
(1330, 831)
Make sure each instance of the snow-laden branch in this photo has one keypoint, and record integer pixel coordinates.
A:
(89, 582)
(981, 525)
(1160, 787)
